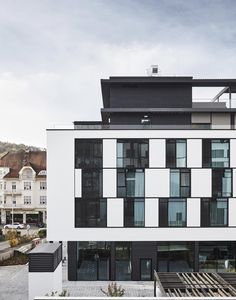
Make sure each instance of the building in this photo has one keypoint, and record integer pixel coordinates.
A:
(151, 186)
(23, 187)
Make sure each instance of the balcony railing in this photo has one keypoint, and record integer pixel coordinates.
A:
(153, 127)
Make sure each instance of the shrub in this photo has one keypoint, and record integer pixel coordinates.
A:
(13, 242)
(114, 291)
(17, 259)
(42, 233)
(11, 234)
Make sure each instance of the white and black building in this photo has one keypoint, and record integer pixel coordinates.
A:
(151, 186)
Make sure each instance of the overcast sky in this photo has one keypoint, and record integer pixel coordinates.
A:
(53, 54)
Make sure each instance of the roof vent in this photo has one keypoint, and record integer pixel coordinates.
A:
(153, 70)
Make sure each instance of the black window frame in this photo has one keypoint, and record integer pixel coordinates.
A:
(140, 159)
(82, 204)
(95, 161)
(163, 213)
(140, 264)
(205, 219)
(93, 192)
(213, 183)
(130, 201)
(207, 153)
(125, 171)
(168, 162)
(181, 170)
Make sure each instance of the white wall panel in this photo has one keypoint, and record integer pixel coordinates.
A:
(151, 212)
(115, 213)
(61, 189)
(109, 153)
(193, 211)
(194, 153)
(201, 183)
(233, 153)
(157, 182)
(232, 211)
(78, 182)
(109, 182)
(157, 153)
(234, 182)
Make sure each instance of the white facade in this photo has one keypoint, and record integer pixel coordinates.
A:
(61, 222)
(25, 195)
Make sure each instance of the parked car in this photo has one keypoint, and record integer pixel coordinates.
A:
(15, 225)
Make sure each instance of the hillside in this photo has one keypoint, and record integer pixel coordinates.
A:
(5, 147)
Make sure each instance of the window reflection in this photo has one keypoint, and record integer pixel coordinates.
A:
(175, 256)
(216, 257)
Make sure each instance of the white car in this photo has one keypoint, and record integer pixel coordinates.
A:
(14, 226)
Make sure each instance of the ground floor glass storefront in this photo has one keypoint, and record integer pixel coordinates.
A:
(137, 260)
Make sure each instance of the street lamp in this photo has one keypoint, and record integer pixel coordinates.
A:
(12, 207)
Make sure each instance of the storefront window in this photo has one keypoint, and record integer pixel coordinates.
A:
(216, 257)
(123, 260)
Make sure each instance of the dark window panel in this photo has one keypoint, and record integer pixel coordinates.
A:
(221, 183)
(176, 153)
(215, 153)
(88, 153)
(214, 212)
(91, 183)
(206, 153)
(130, 182)
(133, 212)
(132, 153)
(172, 212)
(90, 212)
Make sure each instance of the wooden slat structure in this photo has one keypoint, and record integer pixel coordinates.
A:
(197, 284)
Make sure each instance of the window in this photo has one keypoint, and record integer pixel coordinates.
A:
(93, 260)
(133, 212)
(130, 183)
(180, 183)
(216, 257)
(176, 154)
(175, 256)
(172, 212)
(90, 212)
(43, 199)
(92, 183)
(214, 212)
(27, 174)
(43, 185)
(132, 153)
(145, 269)
(88, 153)
(27, 199)
(221, 183)
(215, 153)
(27, 185)
(13, 185)
(123, 260)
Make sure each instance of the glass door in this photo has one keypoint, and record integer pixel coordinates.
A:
(145, 269)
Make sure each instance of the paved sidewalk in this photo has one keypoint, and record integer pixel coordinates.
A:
(14, 285)
(14, 282)
(93, 288)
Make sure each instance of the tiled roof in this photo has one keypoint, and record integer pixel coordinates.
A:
(17, 160)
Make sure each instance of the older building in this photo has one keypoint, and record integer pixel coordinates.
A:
(23, 187)
(151, 186)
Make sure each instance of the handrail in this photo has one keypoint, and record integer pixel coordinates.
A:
(160, 286)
